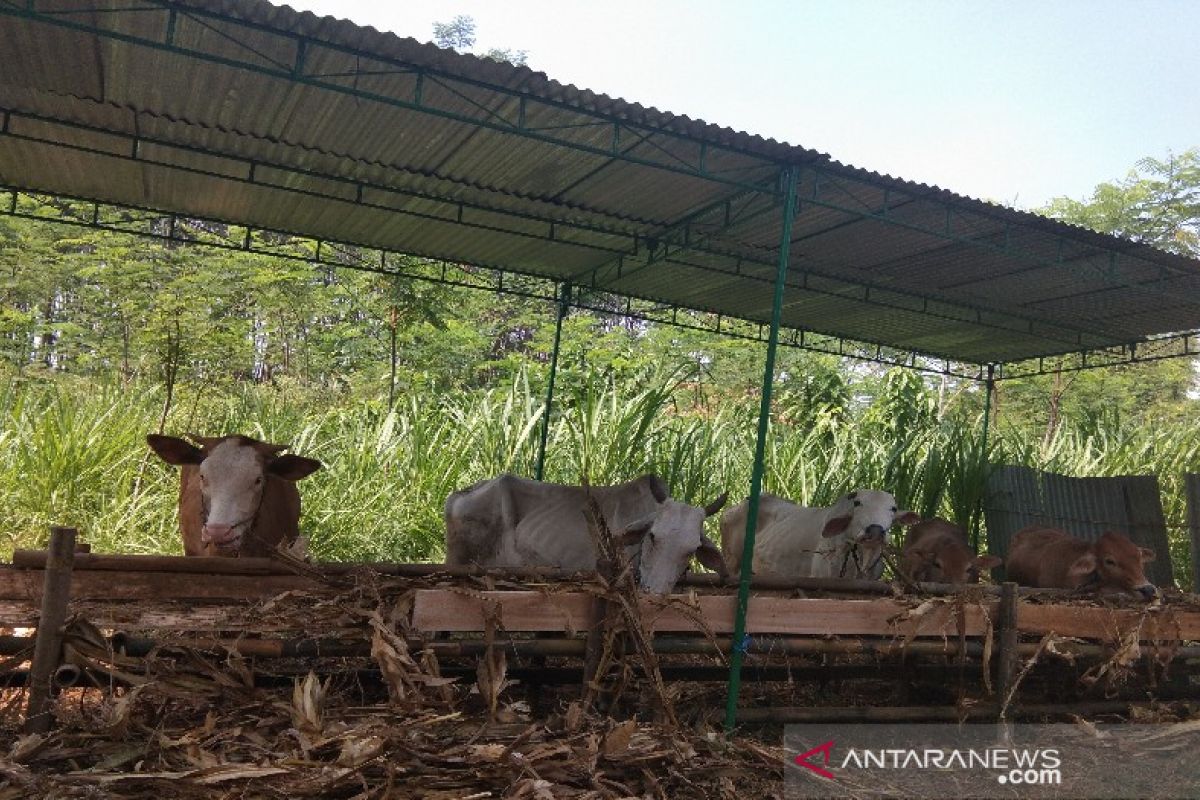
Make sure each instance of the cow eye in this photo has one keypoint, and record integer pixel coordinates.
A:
(893, 509)
(258, 479)
(1110, 562)
(858, 502)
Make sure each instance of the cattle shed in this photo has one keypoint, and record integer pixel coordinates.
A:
(263, 119)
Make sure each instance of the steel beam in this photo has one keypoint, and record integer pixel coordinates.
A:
(790, 179)
(914, 302)
(181, 229)
(564, 304)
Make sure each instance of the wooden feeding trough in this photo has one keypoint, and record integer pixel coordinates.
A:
(272, 609)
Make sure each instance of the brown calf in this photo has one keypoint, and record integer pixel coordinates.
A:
(936, 551)
(237, 495)
(1053, 559)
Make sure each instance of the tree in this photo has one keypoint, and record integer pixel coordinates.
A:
(459, 34)
(1158, 203)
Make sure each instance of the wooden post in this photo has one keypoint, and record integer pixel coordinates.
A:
(595, 634)
(1007, 653)
(47, 648)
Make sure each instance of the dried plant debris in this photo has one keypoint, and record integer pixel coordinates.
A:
(149, 741)
(363, 706)
(188, 722)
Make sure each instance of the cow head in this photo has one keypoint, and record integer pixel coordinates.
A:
(944, 559)
(1115, 562)
(862, 520)
(233, 472)
(668, 540)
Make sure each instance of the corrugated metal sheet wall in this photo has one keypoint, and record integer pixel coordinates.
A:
(1086, 507)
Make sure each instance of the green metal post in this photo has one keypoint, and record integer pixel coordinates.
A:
(989, 387)
(790, 179)
(564, 303)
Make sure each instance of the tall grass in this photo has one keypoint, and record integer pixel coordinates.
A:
(75, 453)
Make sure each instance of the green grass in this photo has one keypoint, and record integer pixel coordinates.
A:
(73, 452)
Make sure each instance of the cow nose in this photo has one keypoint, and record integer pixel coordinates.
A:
(217, 533)
(1148, 591)
(872, 532)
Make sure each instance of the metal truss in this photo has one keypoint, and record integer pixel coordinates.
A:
(954, 219)
(623, 251)
(629, 253)
(1183, 344)
(185, 230)
(288, 56)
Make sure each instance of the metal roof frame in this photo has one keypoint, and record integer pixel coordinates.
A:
(243, 112)
(946, 293)
(199, 232)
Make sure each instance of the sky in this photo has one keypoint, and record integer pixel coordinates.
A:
(1014, 101)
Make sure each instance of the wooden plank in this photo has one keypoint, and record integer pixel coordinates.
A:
(26, 585)
(448, 610)
(1107, 624)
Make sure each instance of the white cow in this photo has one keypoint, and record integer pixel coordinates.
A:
(509, 521)
(844, 541)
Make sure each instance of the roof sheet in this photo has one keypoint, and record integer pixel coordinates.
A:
(251, 113)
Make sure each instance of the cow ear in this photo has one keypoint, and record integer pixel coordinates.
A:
(988, 561)
(835, 526)
(907, 518)
(1148, 555)
(710, 556)
(716, 505)
(634, 531)
(174, 450)
(1084, 565)
(293, 468)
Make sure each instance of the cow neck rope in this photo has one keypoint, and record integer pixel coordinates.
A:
(852, 552)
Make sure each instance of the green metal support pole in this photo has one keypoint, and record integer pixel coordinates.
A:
(790, 178)
(989, 388)
(564, 303)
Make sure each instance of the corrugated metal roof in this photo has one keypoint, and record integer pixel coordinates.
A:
(256, 114)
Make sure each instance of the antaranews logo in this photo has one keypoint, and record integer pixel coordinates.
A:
(964, 761)
(1015, 766)
(825, 749)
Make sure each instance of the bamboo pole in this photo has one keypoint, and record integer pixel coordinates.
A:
(797, 715)
(47, 649)
(138, 646)
(215, 565)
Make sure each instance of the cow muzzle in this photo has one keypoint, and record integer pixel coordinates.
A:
(221, 535)
(1148, 591)
(873, 533)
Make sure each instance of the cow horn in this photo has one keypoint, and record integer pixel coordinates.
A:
(658, 488)
(716, 505)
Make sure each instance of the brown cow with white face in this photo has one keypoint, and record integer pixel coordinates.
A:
(936, 551)
(1049, 558)
(237, 495)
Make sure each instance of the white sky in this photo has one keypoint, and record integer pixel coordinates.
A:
(1016, 101)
